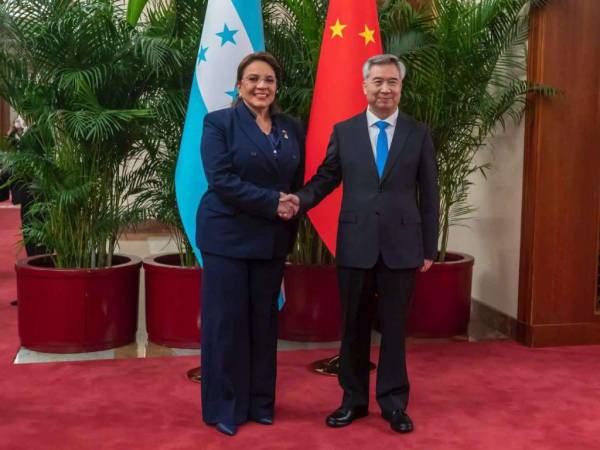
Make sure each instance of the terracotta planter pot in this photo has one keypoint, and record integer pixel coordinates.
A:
(442, 299)
(312, 304)
(77, 310)
(172, 302)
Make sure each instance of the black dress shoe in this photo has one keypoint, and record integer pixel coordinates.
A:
(228, 429)
(399, 421)
(344, 416)
(267, 420)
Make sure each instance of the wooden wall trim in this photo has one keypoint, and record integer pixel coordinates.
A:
(560, 226)
(530, 167)
(584, 333)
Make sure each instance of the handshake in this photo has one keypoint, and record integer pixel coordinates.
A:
(288, 207)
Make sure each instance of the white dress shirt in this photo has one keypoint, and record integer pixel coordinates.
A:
(372, 119)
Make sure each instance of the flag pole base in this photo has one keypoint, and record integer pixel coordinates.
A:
(331, 366)
(194, 375)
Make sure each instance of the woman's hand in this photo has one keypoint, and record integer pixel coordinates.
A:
(289, 205)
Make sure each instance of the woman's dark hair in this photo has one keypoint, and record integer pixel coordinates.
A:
(269, 59)
(265, 57)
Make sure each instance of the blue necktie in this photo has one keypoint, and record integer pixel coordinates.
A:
(382, 146)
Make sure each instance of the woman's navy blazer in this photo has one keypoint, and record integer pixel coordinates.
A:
(237, 216)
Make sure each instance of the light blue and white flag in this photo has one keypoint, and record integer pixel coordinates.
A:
(232, 29)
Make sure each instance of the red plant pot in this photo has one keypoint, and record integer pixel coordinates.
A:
(172, 302)
(442, 298)
(77, 310)
(312, 304)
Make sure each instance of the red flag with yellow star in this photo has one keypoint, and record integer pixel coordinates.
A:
(350, 37)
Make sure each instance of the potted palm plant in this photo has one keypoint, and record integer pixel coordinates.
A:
(85, 80)
(466, 62)
(172, 280)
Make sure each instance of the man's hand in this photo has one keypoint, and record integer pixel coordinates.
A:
(288, 207)
(285, 211)
(426, 265)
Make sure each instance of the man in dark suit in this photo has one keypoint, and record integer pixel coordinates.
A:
(388, 227)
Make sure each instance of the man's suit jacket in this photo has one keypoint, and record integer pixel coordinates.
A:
(237, 216)
(395, 216)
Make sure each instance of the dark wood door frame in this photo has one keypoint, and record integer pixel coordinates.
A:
(561, 184)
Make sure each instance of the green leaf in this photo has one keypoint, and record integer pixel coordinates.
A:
(134, 11)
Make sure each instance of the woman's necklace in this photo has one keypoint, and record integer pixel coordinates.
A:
(265, 124)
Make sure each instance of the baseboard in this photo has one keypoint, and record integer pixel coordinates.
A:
(552, 335)
(494, 319)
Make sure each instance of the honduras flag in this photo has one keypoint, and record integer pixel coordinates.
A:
(232, 29)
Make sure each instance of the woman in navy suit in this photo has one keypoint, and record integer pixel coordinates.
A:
(252, 155)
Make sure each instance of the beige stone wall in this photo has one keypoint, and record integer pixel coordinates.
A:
(493, 235)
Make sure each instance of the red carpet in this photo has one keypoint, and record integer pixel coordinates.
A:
(10, 234)
(465, 396)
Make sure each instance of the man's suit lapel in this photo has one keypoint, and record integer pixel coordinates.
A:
(401, 133)
(363, 141)
(256, 136)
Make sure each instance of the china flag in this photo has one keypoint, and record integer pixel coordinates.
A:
(350, 37)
